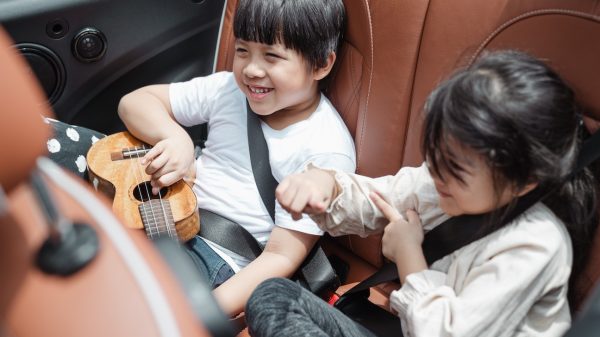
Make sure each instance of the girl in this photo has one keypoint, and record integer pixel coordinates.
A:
(493, 132)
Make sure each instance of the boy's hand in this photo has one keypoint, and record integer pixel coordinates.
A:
(309, 192)
(169, 161)
(401, 238)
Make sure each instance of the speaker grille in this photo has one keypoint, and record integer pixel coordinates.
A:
(47, 67)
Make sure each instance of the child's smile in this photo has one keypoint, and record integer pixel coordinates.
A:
(275, 78)
(258, 93)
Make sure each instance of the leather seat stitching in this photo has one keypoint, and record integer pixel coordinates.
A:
(538, 12)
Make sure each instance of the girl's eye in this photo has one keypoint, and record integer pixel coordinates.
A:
(273, 55)
(240, 50)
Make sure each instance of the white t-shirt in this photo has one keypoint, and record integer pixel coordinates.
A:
(224, 181)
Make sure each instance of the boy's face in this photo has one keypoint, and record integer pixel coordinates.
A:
(274, 78)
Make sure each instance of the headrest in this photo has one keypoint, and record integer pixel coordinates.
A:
(564, 39)
(23, 133)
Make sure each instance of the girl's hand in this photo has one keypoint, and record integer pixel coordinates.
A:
(309, 192)
(401, 238)
(169, 161)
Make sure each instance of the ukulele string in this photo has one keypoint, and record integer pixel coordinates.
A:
(140, 180)
(169, 226)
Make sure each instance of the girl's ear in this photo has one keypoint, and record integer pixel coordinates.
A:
(528, 188)
(320, 73)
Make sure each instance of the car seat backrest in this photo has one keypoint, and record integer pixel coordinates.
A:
(17, 160)
(371, 82)
(555, 30)
(370, 86)
(126, 290)
(20, 96)
(565, 34)
(395, 52)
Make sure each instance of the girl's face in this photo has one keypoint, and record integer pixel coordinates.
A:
(476, 194)
(275, 78)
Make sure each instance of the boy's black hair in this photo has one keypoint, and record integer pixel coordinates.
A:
(522, 118)
(313, 28)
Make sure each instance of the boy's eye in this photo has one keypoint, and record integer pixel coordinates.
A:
(273, 55)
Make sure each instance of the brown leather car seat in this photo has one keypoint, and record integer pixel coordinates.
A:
(395, 52)
(370, 86)
(563, 33)
(126, 289)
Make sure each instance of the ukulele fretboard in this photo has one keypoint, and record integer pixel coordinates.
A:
(158, 219)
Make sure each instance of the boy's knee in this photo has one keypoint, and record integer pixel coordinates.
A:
(268, 302)
(274, 284)
(268, 290)
(270, 297)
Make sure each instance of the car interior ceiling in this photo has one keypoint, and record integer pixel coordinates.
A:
(394, 53)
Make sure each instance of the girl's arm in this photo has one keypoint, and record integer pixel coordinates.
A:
(340, 204)
(283, 254)
(402, 239)
(491, 286)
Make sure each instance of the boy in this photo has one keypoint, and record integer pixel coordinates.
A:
(282, 50)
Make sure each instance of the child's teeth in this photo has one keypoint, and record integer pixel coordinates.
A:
(258, 91)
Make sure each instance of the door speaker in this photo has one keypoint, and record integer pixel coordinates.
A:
(47, 67)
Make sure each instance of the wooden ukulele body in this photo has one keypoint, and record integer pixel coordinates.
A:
(124, 180)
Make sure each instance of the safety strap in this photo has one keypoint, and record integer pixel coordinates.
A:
(316, 273)
(459, 231)
(447, 237)
(259, 158)
(229, 234)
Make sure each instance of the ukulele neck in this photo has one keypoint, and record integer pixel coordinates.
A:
(158, 219)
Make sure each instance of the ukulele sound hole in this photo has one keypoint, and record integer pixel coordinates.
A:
(143, 192)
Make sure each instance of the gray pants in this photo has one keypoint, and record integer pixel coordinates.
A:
(280, 307)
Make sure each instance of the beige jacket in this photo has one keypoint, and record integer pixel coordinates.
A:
(511, 283)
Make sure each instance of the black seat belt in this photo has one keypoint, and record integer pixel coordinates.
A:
(446, 238)
(441, 241)
(315, 273)
(229, 234)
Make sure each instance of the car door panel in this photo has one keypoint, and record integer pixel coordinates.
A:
(146, 42)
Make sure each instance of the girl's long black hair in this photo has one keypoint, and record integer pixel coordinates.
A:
(518, 114)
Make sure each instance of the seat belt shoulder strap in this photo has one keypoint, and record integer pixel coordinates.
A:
(460, 231)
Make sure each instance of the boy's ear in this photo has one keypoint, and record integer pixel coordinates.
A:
(320, 73)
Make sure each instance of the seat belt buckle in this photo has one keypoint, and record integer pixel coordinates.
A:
(349, 297)
(333, 298)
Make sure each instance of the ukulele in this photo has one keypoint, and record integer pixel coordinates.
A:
(115, 170)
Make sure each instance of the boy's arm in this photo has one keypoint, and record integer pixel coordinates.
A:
(285, 251)
(148, 116)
